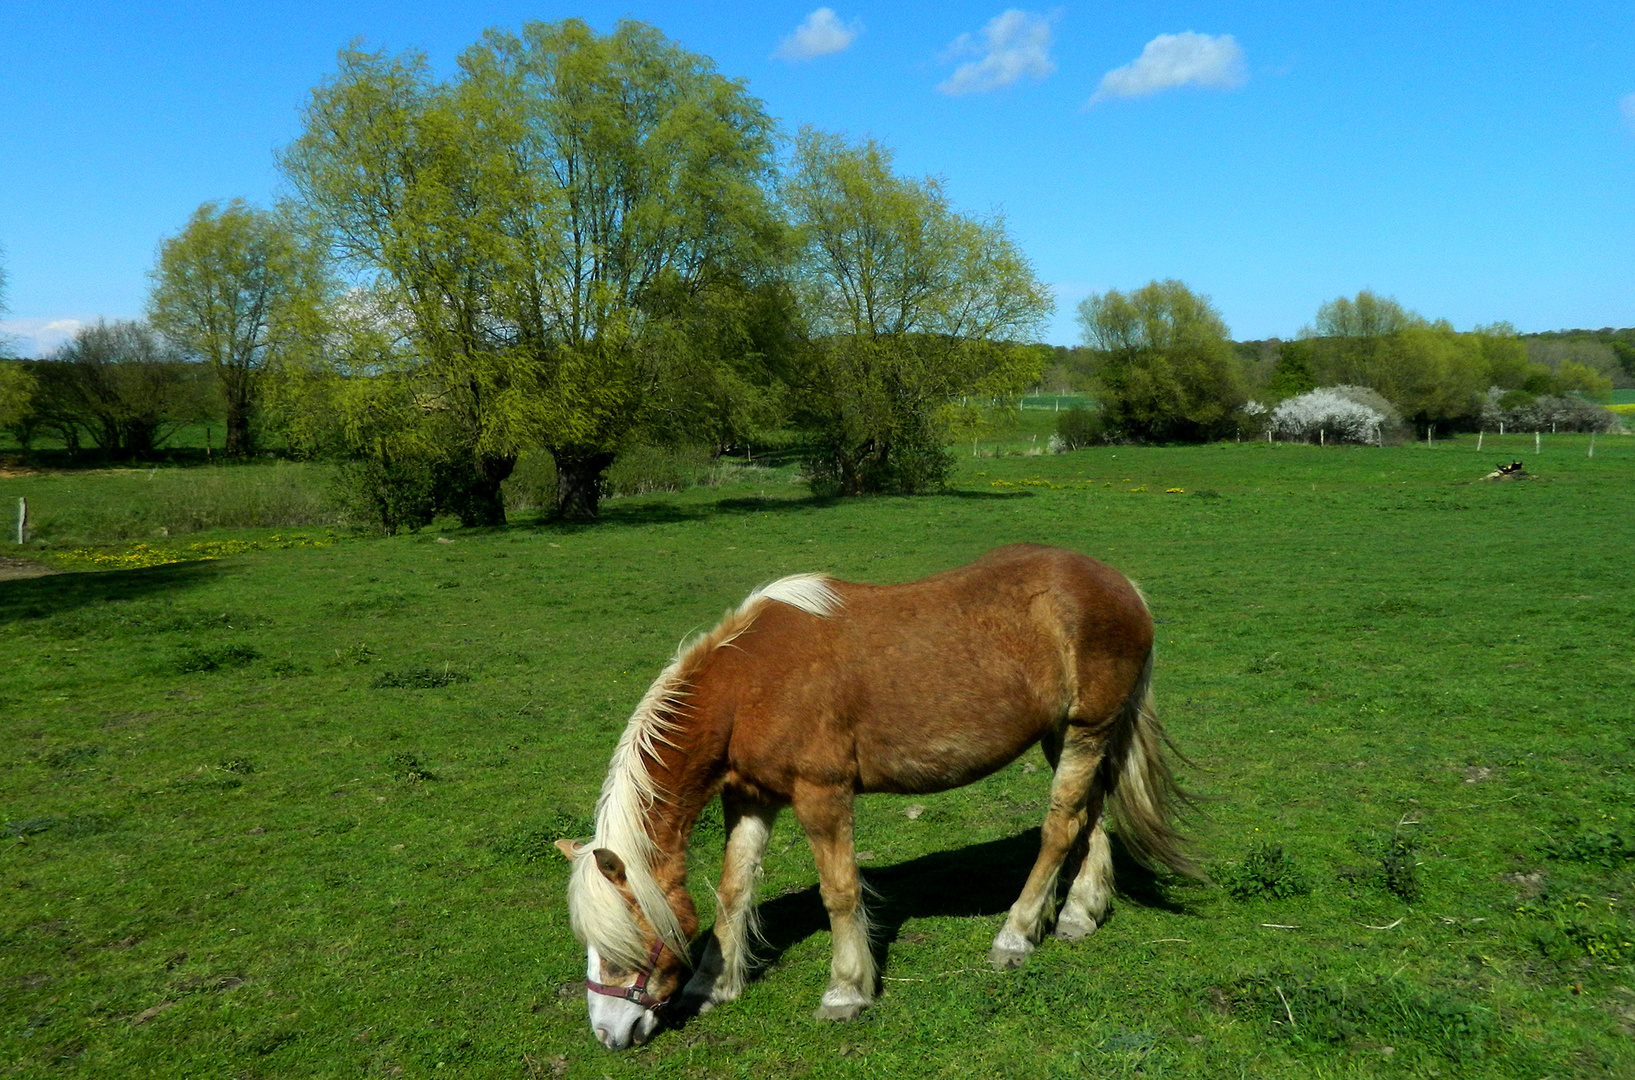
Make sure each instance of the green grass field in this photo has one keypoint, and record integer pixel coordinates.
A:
(289, 813)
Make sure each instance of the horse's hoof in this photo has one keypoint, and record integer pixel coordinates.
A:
(692, 1005)
(1069, 929)
(1006, 959)
(838, 1012)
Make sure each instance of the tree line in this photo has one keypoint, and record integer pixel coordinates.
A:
(1162, 365)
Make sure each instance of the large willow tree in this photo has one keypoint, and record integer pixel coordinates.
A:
(550, 223)
(1165, 367)
(236, 289)
(908, 304)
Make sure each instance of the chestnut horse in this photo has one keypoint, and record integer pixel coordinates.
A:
(815, 691)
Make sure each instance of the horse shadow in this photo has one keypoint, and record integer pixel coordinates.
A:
(975, 881)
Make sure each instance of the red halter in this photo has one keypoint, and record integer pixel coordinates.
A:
(636, 991)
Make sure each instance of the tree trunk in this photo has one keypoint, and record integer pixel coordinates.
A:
(237, 442)
(235, 386)
(479, 500)
(579, 482)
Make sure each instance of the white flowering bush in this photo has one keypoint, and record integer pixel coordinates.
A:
(1337, 414)
(1520, 411)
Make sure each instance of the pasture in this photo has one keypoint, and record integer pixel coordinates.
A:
(290, 813)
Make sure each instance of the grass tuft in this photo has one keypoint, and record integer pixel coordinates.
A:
(418, 677)
(1265, 873)
(214, 658)
(406, 766)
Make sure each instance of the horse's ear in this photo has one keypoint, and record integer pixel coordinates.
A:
(611, 866)
(570, 849)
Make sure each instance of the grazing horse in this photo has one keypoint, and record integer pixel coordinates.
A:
(815, 691)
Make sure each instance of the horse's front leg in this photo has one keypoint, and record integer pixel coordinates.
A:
(826, 815)
(722, 972)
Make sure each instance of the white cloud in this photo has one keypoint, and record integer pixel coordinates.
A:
(1172, 60)
(1013, 46)
(35, 338)
(820, 34)
(1626, 106)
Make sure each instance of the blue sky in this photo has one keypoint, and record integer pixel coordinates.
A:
(1477, 161)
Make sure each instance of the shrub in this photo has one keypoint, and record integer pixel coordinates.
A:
(910, 458)
(1519, 410)
(1077, 428)
(388, 495)
(641, 469)
(1353, 414)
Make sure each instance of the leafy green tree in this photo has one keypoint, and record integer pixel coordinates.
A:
(906, 304)
(1167, 372)
(635, 210)
(236, 289)
(1428, 371)
(17, 390)
(538, 221)
(118, 385)
(1292, 373)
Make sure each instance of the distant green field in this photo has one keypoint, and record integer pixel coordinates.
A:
(1623, 397)
(1057, 402)
(288, 813)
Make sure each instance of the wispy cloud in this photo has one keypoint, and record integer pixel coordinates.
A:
(1626, 107)
(1012, 46)
(820, 34)
(35, 338)
(1172, 60)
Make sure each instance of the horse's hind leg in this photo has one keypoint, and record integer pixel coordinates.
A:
(1086, 904)
(1068, 814)
(826, 815)
(721, 973)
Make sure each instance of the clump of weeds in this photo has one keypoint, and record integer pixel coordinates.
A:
(354, 655)
(418, 677)
(1266, 872)
(1395, 866)
(1607, 847)
(195, 659)
(406, 766)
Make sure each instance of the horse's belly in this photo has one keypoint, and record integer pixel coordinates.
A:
(914, 758)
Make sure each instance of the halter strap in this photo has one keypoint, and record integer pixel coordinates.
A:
(636, 991)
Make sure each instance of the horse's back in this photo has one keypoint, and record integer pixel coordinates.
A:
(933, 683)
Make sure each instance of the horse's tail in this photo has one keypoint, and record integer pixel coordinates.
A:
(1142, 793)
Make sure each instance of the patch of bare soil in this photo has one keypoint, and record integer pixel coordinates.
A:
(13, 569)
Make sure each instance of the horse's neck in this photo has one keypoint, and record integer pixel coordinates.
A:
(686, 772)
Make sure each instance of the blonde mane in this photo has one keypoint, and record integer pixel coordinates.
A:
(600, 917)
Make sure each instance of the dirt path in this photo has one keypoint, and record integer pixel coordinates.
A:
(12, 569)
